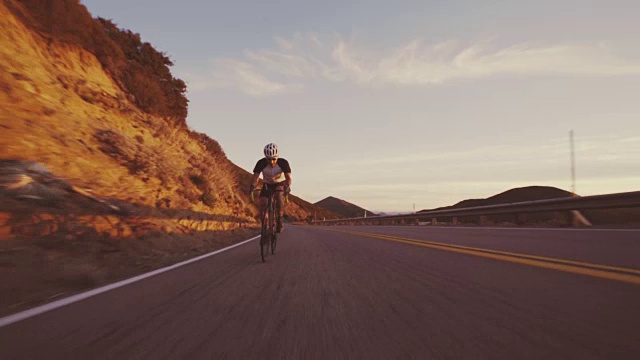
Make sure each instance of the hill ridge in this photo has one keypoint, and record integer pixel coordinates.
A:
(343, 207)
(519, 194)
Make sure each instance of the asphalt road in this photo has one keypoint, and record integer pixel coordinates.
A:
(404, 294)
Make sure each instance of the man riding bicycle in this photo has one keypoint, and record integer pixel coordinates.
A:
(276, 175)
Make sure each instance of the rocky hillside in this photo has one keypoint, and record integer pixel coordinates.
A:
(61, 109)
(100, 175)
(71, 107)
(344, 208)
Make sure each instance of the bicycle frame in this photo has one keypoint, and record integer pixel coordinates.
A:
(269, 236)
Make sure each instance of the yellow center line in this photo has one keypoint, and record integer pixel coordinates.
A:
(576, 267)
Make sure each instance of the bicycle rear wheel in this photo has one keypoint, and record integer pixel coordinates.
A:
(265, 237)
(274, 234)
(272, 227)
(274, 240)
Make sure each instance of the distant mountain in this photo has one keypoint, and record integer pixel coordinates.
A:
(390, 213)
(344, 208)
(529, 193)
(628, 216)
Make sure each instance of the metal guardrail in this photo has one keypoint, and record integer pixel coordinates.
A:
(608, 201)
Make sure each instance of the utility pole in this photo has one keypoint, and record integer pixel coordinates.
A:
(577, 217)
(573, 164)
(414, 208)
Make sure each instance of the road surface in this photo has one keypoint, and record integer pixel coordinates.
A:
(347, 293)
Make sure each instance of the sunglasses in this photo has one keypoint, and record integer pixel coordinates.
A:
(272, 159)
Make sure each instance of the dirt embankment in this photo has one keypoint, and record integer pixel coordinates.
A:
(57, 239)
(92, 189)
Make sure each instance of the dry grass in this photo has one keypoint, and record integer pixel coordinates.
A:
(182, 196)
(60, 108)
(35, 272)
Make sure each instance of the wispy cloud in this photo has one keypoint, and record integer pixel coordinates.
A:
(597, 158)
(494, 155)
(249, 79)
(603, 162)
(595, 148)
(298, 60)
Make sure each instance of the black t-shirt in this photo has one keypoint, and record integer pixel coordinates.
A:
(275, 174)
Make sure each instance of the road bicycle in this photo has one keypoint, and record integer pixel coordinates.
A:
(268, 235)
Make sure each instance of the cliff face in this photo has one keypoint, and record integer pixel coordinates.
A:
(89, 181)
(60, 107)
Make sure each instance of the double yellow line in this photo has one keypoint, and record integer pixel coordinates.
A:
(627, 275)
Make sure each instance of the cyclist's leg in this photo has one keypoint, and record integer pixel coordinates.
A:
(279, 203)
(262, 203)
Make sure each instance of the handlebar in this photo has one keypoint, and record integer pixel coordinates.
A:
(286, 196)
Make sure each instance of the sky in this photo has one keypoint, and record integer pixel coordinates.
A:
(404, 105)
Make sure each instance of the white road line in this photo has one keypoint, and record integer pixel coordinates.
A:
(75, 298)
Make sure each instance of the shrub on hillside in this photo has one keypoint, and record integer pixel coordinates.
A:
(212, 146)
(147, 92)
(136, 66)
(148, 76)
(138, 158)
(198, 180)
(209, 198)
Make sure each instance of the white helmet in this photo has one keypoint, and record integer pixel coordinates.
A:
(271, 151)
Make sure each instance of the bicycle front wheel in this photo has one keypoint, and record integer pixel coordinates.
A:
(274, 240)
(265, 238)
(274, 233)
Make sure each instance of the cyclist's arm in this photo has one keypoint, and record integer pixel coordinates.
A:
(254, 179)
(287, 176)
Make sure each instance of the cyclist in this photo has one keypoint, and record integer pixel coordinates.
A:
(276, 175)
